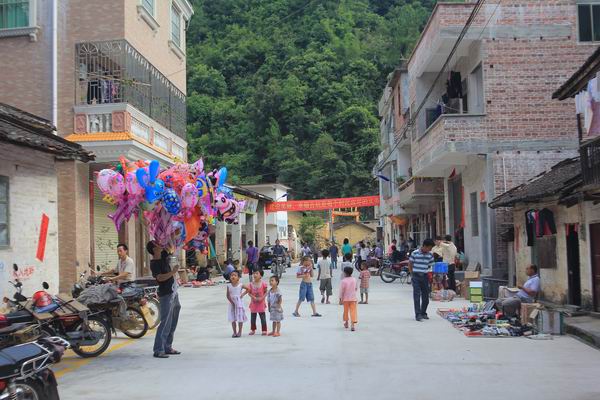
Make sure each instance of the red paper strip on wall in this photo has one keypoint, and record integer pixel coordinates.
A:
(323, 204)
(41, 250)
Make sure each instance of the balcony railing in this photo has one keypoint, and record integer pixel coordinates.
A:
(115, 72)
(590, 161)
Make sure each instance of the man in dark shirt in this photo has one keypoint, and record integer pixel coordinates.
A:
(333, 253)
(168, 298)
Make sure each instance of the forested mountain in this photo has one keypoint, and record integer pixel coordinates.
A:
(287, 90)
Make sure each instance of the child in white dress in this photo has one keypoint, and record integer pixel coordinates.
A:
(236, 312)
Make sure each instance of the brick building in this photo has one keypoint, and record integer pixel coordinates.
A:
(32, 157)
(111, 76)
(489, 123)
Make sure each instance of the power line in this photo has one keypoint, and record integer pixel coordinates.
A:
(412, 119)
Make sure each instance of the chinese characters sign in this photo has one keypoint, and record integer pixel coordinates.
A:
(324, 204)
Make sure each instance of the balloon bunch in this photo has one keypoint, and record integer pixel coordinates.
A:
(178, 204)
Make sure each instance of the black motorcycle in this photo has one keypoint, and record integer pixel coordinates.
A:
(25, 372)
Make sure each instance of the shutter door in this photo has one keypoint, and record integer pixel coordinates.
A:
(106, 236)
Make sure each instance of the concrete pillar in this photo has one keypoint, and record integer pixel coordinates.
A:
(236, 242)
(250, 232)
(261, 224)
(221, 241)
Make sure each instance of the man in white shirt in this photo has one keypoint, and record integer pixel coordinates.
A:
(125, 271)
(526, 294)
(450, 252)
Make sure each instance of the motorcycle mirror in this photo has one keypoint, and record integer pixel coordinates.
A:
(45, 285)
(15, 267)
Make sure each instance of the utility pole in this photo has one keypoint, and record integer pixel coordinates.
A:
(331, 226)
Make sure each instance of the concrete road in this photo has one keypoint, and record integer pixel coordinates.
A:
(390, 356)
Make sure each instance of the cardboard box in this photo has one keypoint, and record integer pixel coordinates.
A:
(529, 312)
(472, 275)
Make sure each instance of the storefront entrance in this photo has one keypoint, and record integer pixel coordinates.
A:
(595, 259)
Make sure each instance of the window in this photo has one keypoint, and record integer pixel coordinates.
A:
(14, 14)
(588, 17)
(4, 238)
(476, 85)
(474, 215)
(149, 6)
(175, 25)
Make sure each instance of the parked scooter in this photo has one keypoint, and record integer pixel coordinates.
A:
(44, 315)
(390, 272)
(25, 372)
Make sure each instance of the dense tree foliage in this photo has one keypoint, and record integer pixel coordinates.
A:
(287, 90)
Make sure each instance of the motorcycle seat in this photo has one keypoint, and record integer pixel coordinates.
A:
(19, 316)
(12, 358)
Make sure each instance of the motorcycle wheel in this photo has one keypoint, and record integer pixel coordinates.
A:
(384, 275)
(153, 317)
(141, 326)
(99, 325)
(31, 390)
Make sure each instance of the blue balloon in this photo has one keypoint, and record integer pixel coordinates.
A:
(171, 201)
(222, 176)
(147, 179)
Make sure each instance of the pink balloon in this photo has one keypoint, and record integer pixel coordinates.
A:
(105, 178)
(116, 186)
(131, 184)
(189, 195)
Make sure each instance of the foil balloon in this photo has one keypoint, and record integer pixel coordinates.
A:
(189, 195)
(105, 178)
(171, 201)
(131, 184)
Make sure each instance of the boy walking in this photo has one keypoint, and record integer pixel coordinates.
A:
(325, 276)
(364, 277)
(306, 273)
(420, 261)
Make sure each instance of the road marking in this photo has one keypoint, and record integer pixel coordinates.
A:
(74, 363)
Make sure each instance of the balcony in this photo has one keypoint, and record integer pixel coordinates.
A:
(113, 72)
(418, 194)
(590, 163)
(449, 142)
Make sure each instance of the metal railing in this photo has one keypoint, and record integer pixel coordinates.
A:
(590, 161)
(115, 72)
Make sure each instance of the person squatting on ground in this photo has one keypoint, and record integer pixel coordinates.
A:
(257, 290)
(324, 277)
(420, 261)
(236, 313)
(306, 273)
(168, 299)
(275, 301)
(364, 277)
(348, 298)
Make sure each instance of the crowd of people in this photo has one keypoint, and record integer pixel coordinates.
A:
(267, 297)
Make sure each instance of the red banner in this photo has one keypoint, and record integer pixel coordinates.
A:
(41, 250)
(323, 204)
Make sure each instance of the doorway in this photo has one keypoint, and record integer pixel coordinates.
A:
(595, 259)
(573, 265)
(484, 235)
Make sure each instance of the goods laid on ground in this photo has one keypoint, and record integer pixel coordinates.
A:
(482, 320)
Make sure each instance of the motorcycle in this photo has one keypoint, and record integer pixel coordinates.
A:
(279, 267)
(131, 321)
(389, 272)
(87, 333)
(25, 369)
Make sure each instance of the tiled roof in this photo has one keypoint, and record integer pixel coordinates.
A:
(99, 136)
(559, 181)
(23, 129)
(579, 80)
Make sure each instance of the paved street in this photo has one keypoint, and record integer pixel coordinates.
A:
(390, 356)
